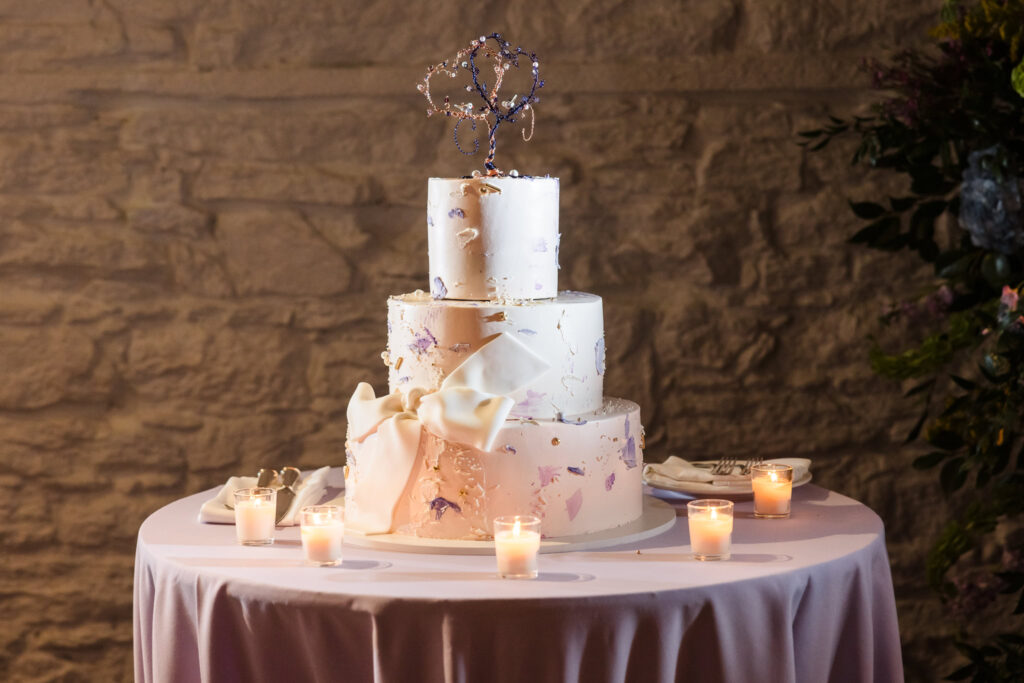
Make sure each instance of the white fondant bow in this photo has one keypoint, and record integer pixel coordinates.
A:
(469, 408)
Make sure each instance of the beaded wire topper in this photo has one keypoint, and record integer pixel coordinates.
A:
(503, 57)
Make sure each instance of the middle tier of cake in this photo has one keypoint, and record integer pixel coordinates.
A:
(428, 338)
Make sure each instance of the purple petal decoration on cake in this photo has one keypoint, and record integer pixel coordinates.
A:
(627, 453)
(541, 247)
(537, 285)
(576, 470)
(531, 400)
(579, 421)
(509, 449)
(438, 291)
(403, 380)
(423, 341)
(440, 505)
(456, 213)
(609, 482)
(547, 474)
(527, 331)
(572, 506)
(599, 355)
(430, 221)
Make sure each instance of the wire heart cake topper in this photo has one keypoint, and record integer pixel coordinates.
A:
(503, 58)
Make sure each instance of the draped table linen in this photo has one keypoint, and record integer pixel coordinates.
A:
(804, 599)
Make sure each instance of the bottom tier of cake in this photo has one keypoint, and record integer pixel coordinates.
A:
(578, 475)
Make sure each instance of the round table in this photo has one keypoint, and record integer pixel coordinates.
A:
(804, 599)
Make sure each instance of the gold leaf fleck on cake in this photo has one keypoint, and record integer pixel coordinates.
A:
(555, 441)
(495, 317)
(398, 363)
(643, 438)
(486, 188)
(466, 236)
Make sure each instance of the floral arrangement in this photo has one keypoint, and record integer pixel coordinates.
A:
(952, 124)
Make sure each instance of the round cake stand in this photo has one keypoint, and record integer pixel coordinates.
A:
(658, 516)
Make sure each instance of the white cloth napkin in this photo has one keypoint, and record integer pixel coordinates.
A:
(308, 491)
(675, 471)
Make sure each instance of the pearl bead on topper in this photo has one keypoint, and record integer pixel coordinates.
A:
(494, 111)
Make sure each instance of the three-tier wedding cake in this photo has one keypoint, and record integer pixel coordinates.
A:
(495, 381)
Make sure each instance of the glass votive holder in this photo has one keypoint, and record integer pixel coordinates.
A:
(516, 544)
(323, 531)
(255, 513)
(773, 489)
(710, 528)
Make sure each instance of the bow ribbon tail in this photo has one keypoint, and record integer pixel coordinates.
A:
(388, 455)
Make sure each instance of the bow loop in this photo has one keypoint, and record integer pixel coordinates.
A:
(469, 408)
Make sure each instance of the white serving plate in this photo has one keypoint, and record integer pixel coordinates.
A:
(705, 488)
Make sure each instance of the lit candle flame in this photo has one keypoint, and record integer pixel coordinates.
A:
(714, 513)
(515, 528)
(774, 477)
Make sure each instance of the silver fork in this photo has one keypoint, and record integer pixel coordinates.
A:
(749, 465)
(724, 466)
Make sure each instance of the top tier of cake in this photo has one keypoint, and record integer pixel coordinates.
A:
(493, 238)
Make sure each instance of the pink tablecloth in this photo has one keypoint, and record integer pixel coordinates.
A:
(807, 599)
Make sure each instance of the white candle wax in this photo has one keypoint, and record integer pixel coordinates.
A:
(322, 543)
(516, 551)
(254, 520)
(772, 495)
(711, 533)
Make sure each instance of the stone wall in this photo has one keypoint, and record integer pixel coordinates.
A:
(204, 205)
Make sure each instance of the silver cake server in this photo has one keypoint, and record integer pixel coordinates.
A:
(264, 478)
(286, 494)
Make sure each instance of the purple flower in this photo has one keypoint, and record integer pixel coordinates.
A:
(456, 213)
(547, 474)
(627, 453)
(609, 482)
(440, 505)
(532, 400)
(423, 341)
(572, 506)
(578, 471)
(974, 592)
(438, 291)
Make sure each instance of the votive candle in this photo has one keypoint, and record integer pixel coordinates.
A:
(710, 528)
(773, 489)
(516, 544)
(255, 512)
(323, 531)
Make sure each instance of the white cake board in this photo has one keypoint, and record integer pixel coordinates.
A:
(658, 516)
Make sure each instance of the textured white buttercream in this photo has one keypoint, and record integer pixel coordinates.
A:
(493, 238)
(580, 475)
(428, 339)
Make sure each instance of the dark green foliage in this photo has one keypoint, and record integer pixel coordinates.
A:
(959, 98)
